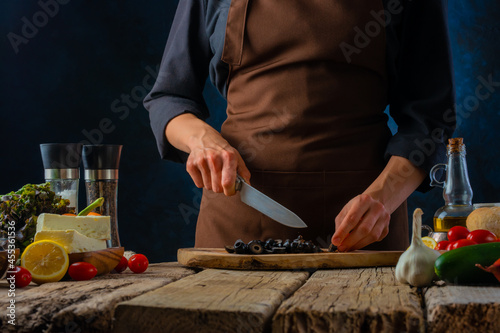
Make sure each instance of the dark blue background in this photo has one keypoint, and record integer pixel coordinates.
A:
(93, 61)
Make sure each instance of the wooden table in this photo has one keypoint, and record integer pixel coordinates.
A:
(172, 298)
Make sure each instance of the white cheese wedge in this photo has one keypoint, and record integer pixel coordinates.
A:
(72, 240)
(97, 227)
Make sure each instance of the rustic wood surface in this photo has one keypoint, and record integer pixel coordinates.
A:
(463, 309)
(351, 300)
(83, 306)
(210, 301)
(219, 258)
(340, 300)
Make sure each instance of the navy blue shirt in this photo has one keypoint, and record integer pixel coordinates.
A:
(421, 90)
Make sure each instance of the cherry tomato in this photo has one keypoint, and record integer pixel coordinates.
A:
(481, 236)
(81, 271)
(138, 263)
(93, 214)
(442, 245)
(122, 265)
(22, 277)
(461, 243)
(457, 232)
(69, 214)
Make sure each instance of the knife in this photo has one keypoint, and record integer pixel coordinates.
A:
(266, 205)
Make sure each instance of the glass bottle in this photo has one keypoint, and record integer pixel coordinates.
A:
(457, 192)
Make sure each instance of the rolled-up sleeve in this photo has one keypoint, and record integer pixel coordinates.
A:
(422, 94)
(183, 71)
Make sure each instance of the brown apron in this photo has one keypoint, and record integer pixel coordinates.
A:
(309, 125)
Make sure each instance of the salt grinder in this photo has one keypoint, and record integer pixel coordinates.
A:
(61, 163)
(101, 164)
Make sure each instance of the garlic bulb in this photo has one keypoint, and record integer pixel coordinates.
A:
(416, 264)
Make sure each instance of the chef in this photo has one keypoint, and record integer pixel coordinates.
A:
(306, 84)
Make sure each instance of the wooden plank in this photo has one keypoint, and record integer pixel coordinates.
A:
(463, 309)
(351, 300)
(83, 306)
(219, 258)
(210, 301)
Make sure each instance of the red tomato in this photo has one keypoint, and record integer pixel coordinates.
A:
(457, 232)
(81, 271)
(122, 265)
(138, 263)
(22, 277)
(481, 236)
(461, 243)
(442, 245)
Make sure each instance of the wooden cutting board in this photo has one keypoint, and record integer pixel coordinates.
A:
(219, 258)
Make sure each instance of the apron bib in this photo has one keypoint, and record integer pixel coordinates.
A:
(309, 125)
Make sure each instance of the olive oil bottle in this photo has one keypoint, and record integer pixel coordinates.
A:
(457, 192)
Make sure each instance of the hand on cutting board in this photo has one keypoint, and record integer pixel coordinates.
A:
(212, 163)
(362, 221)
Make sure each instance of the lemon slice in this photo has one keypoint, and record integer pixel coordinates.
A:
(46, 260)
(429, 242)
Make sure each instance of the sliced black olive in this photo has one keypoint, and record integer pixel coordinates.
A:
(269, 243)
(279, 250)
(240, 247)
(256, 247)
(287, 245)
(229, 248)
(307, 247)
(332, 248)
(296, 246)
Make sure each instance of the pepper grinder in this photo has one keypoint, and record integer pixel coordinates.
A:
(61, 163)
(101, 164)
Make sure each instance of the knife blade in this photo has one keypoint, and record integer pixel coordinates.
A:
(267, 206)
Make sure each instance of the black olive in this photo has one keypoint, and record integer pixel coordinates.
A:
(279, 250)
(229, 248)
(269, 243)
(296, 247)
(332, 248)
(278, 243)
(287, 245)
(240, 247)
(307, 247)
(256, 247)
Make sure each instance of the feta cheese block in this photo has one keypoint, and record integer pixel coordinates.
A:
(97, 227)
(72, 240)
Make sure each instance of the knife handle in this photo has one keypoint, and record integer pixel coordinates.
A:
(239, 183)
